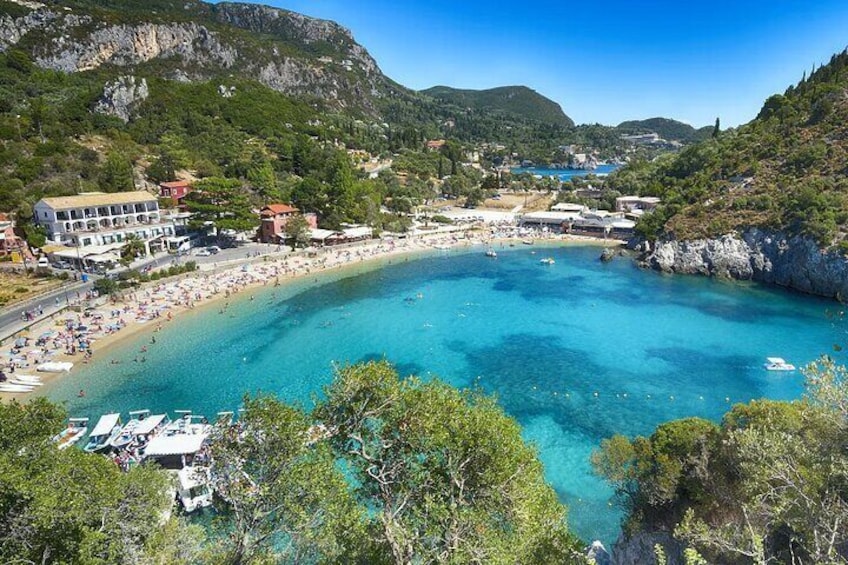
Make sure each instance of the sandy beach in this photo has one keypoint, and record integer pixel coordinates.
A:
(80, 336)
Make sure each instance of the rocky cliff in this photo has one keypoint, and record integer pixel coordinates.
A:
(639, 549)
(285, 51)
(794, 262)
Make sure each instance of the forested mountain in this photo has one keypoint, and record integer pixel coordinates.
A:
(668, 129)
(517, 102)
(785, 170)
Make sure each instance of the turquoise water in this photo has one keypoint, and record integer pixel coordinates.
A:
(564, 174)
(545, 339)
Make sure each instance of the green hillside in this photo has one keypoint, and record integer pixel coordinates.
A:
(668, 129)
(784, 170)
(511, 101)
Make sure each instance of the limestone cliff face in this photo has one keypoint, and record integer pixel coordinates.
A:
(772, 257)
(121, 96)
(638, 549)
(305, 56)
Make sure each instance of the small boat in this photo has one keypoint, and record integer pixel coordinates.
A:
(148, 429)
(9, 387)
(777, 364)
(55, 367)
(126, 435)
(547, 261)
(108, 428)
(16, 381)
(29, 379)
(527, 241)
(77, 427)
(194, 490)
(491, 253)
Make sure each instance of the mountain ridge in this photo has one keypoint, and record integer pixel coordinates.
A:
(667, 128)
(516, 100)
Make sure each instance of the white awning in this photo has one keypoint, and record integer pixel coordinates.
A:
(320, 234)
(105, 258)
(105, 424)
(361, 231)
(148, 424)
(179, 444)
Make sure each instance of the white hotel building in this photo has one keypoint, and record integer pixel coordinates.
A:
(95, 224)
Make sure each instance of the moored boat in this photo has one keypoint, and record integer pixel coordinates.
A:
(10, 387)
(491, 253)
(194, 488)
(77, 428)
(108, 428)
(148, 429)
(547, 261)
(55, 367)
(778, 364)
(126, 434)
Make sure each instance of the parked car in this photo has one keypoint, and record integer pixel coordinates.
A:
(202, 253)
(213, 249)
(43, 262)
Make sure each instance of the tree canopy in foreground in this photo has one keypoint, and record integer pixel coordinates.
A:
(767, 485)
(384, 470)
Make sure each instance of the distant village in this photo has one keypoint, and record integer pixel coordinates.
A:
(86, 232)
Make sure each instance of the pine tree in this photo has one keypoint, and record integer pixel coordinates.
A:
(717, 128)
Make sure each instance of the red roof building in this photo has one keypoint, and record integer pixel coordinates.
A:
(175, 190)
(273, 219)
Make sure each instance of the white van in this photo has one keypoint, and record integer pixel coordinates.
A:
(43, 262)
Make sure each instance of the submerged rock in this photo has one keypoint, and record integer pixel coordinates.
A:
(607, 255)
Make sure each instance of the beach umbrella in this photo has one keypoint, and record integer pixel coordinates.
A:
(47, 335)
(21, 342)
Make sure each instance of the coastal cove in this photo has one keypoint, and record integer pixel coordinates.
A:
(565, 174)
(576, 351)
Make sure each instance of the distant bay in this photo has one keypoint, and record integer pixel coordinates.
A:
(564, 174)
(576, 351)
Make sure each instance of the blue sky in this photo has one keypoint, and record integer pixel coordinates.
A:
(604, 61)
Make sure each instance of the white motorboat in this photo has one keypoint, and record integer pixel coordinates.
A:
(194, 488)
(127, 434)
(547, 261)
(9, 387)
(149, 428)
(29, 379)
(491, 253)
(778, 364)
(55, 367)
(16, 381)
(77, 428)
(108, 428)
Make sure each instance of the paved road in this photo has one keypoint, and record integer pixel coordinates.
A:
(12, 319)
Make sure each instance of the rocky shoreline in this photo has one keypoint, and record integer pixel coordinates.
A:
(793, 262)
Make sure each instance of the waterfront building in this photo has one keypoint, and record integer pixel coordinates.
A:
(273, 219)
(95, 224)
(633, 203)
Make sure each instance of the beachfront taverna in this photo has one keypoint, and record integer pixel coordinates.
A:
(96, 223)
